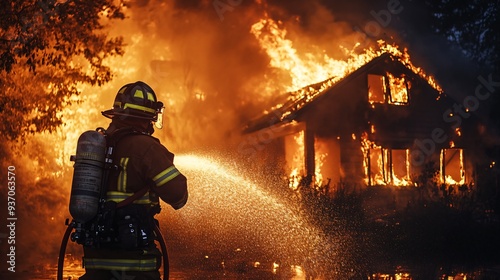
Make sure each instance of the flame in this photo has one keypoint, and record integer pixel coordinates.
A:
(320, 156)
(283, 55)
(295, 147)
(309, 69)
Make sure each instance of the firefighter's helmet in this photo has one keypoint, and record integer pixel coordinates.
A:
(136, 100)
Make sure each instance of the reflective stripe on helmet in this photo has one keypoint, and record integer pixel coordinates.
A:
(139, 107)
(151, 96)
(138, 93)
(120, 264)
(166, 175)
(120, 196)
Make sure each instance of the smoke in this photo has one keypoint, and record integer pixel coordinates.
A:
(208, 68)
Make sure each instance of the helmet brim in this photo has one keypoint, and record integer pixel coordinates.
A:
(110, 114)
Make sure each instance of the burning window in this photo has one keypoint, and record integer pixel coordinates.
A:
(399, 90)
(400, 163)
(327, 161)
(452, 166)
(378, 85)
(376, 88)
(378, 166)
(387, 166)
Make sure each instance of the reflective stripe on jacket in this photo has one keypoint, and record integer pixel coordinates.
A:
(121, 264)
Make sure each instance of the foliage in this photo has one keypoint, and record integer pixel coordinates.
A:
(48, 49)
(472, 25)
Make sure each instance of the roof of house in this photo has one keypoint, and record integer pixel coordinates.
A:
(308, 95)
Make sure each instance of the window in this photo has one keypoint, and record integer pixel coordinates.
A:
(399, 91)
(452, 166)
(376, 88)
(378, 166)
(389, 166)
(387, 89)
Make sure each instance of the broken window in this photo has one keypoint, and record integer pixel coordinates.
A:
(452, 166)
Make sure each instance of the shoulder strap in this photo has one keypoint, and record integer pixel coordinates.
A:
(112, 140)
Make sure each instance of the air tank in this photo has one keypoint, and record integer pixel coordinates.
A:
(87, 176)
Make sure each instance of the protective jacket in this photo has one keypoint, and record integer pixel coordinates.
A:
(144, 162)
(141, 162)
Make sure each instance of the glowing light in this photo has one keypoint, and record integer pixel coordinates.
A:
(275, 267)
(403, 276)
(200, 96)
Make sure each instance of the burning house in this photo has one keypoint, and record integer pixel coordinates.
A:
(382, 124)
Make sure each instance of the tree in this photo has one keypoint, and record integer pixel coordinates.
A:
(473, 25)
(47, 49)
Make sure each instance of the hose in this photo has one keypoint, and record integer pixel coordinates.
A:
(164, 253)
(62, 252)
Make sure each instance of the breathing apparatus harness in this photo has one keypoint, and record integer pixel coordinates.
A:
(100, 223)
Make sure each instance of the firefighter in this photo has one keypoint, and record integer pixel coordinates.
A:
(145, 167)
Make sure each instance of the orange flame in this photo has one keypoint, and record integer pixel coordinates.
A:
(309, 69)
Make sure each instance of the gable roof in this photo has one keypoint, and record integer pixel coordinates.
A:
(309, 95)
